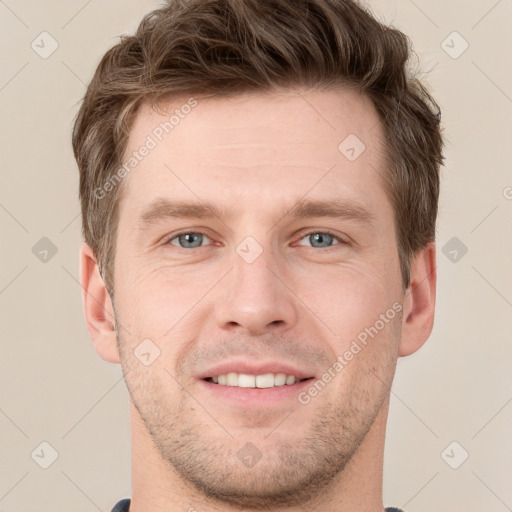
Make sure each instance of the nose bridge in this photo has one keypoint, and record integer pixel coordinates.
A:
(255, 299)
(254, 269)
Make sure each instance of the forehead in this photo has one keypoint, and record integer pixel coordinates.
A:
(255, 150)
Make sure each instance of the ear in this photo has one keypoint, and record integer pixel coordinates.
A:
(98, 309)
(419, 301)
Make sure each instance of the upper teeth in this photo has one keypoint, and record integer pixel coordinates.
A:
(243, 380)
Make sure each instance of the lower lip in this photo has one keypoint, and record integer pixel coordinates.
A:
(255, 396)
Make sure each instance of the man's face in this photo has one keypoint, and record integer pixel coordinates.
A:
(265, 284)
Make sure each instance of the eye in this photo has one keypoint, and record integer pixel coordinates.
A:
(189, 240)
(321, 239)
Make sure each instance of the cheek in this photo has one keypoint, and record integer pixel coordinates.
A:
(348, 299)
(366, 319)
(155, 298)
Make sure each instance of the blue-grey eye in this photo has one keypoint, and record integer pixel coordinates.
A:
(189, 240)
(320, 239)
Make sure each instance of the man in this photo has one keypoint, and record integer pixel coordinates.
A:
(259, 183)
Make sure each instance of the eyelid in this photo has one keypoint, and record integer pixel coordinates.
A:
(167, 239)
(335, 235)
(342, 240)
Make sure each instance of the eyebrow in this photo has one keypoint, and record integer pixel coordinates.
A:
(161, 209)
(331, 208)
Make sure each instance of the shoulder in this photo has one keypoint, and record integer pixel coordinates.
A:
(122, 506)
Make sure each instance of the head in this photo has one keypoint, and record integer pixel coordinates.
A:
(283, 207)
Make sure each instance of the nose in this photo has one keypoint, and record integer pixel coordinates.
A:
(255, 298)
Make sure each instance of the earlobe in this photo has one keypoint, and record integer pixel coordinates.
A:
(98, 309)
(419, 302)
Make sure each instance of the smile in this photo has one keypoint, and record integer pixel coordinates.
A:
(244, 380)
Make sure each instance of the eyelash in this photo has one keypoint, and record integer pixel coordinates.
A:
(325, 232)
(196, 232)
(314, 231)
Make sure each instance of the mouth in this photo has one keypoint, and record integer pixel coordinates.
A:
(262, 381)
(251, 390)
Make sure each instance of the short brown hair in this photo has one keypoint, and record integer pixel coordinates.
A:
(215, 48)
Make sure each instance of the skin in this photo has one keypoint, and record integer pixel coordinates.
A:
(255, 156)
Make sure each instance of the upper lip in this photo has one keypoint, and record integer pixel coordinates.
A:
(253, 368)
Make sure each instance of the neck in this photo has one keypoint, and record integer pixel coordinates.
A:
(159, 488)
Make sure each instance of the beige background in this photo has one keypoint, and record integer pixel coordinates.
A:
(55, 389)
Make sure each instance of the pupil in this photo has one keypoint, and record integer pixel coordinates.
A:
(321, 238)
(189, 239)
